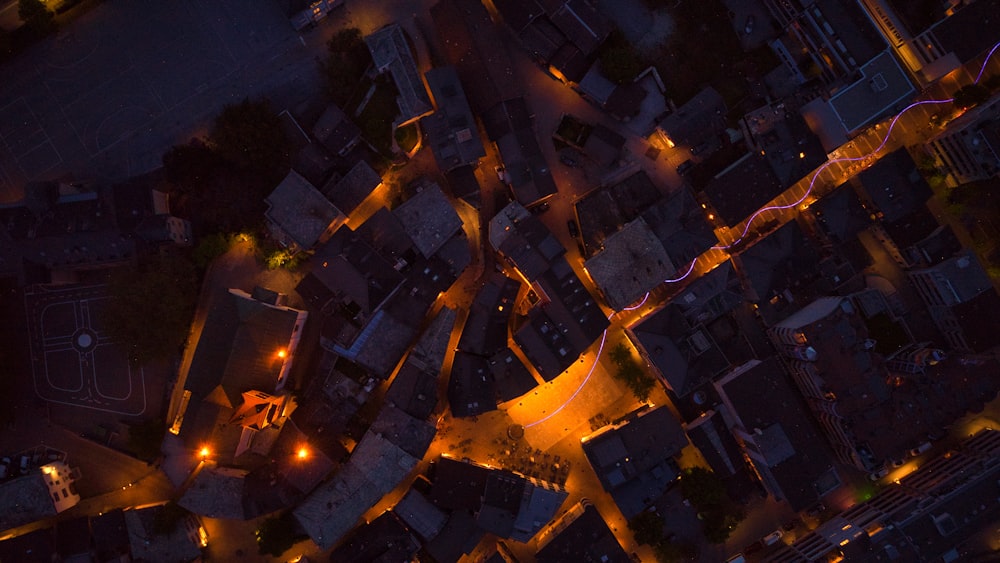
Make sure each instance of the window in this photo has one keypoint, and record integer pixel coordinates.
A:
(65, 494)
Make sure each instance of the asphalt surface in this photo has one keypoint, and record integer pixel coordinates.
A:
(105, 97)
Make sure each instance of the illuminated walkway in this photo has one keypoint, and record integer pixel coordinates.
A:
(785, 212)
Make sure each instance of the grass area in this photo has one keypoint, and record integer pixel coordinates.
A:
(375, 120)
(407, 137)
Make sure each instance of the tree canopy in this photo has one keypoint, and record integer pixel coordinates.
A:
(346, 65)
(249, 136)
(150, 307)
(707, 493)
(631, 373)
(970, 96)
(276, 535)
(36, 16)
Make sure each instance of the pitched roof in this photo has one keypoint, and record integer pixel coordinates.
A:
(391, 52)
(348, 192)
(429, 219)
(300, 211)
(334, 130)
(451, 130)
(376, 467)
(238, 346)
(632, 262)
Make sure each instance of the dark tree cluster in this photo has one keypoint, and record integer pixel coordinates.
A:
(647, 528)
(220, 182)
(631, 373)
(707, 493)
(346, 65)
(151, 306)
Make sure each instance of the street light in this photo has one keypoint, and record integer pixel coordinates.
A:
(204, 451)
(302, 453)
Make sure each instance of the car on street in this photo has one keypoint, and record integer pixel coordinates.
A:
(685, 167)
(540, 208)
(748, 28)
(920, 449)
(574, 230)
(773, 537)
(501, 174)
(878, 473)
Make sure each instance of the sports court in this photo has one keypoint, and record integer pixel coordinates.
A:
(73, 359)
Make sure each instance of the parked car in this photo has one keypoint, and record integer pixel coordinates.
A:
(685, 167)
(501, 173)
(4, 467)
(748, 27)
(24, 464)
(878, 473)
(898, 462)
(920, 449)
(540, 208)
(569, 160)
(574, 230)
(773, 537)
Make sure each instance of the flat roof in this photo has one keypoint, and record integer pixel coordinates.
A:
(300, 210)
(882, 88)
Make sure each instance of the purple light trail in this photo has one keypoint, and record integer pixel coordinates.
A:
(812, 184)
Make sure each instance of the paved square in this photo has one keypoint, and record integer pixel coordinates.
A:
(73, 360)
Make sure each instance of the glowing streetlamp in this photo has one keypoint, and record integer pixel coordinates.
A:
(302, 453)
(282, 353)
(204, 451)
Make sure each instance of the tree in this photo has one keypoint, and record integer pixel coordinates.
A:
(168, 517)
(647, 527)
(346, 65)
(702, 487)
(249, 136)
(620, 61)
(150, 307)
(276, 535)
(667, 551)
(191, 167)
(36, 17)
(631, 373)
(145, 438)
(707, 493)
(971, 96)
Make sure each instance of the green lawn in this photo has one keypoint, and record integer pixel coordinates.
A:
(407, 137)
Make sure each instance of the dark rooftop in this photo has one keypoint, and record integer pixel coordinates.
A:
(642, 443)
(970, 31)
(895, 185)
(348, 192)
(882, 87)
(767, 407)
(603, 211)
(451, 130)
(680, 224)
(237, 348)
(686, 356)
(782, 271)
(383, 539)
(701, 117)
(582, 535)
(335, 131)
(743, 188)
(486, 72)
(841, 214)
(485, 330)
(458, 485)
(470, 386)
